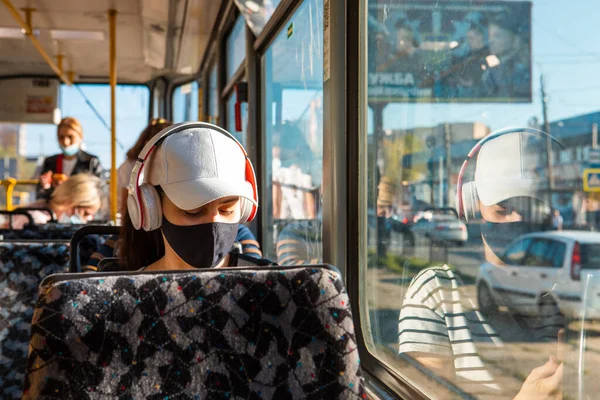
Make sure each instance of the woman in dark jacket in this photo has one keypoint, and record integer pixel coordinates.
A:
(56, 169)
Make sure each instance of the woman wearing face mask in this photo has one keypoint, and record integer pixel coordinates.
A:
(156, 125)
(439, 326)
(191, 188)
(77, 200)
(56, 169)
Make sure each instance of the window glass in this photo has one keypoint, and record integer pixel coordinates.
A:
(158, 102)
(29, 144)
(231, 105)
(481, 107)
(236, 46)
(213, 95)
(292, 72)
(257, 14)
(540, 253)
(590, 256)
(185, 102)
(515, 254)
(558, 254)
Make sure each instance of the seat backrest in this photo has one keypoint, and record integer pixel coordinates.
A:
(268, 333)
(86, 242)
(22, 268)
(111, 264)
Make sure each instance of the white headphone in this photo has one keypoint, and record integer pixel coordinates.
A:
(143, 201)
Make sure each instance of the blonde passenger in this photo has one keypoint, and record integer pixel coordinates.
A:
(76, 200)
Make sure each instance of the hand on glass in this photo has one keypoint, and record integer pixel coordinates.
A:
(543, 383)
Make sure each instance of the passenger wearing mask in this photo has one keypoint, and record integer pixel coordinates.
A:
(439, 325)
(155, 126)
(192, 186)
(73, 160)
(77, 200)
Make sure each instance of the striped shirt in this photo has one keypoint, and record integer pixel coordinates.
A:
(300, 242)
(437, 318)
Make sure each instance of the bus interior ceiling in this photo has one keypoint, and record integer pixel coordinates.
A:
(154, 38)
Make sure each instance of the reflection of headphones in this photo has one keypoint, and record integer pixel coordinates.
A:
(466, 193)
(143, 202)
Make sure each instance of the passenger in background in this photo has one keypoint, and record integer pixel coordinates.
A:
(154, 127)
(300, 242)
(73, 160)
(439, 325)
(77, 200)
(187, 199)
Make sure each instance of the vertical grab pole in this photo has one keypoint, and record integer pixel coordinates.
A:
(112, 29)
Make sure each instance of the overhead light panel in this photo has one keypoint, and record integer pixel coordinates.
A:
(15, 33)
(68, 34)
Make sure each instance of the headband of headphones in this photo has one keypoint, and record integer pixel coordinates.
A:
(459, 191)
(137, 216)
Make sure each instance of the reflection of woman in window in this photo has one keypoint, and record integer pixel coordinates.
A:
(439, 325)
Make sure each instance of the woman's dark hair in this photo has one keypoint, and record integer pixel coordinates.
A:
(154, 127)
(138, 247)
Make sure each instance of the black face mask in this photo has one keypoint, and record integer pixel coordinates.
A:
(498, 236)
(203, 245)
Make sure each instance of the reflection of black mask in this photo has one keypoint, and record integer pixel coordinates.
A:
(203, 245)
(497, 236)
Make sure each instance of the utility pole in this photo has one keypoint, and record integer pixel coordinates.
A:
(448, 163)
(547, 130)
(594, 135)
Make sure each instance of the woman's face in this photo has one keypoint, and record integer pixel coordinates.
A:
(226, 210)
(68, 137)
(85, 213)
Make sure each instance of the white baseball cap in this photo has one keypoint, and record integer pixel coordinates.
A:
(197, 165)
(514, 164)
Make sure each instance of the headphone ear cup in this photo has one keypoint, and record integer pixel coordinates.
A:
(133, 208)
(248, 209)
(150, 200)
(470, 201)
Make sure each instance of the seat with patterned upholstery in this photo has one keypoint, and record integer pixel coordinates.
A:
(230, 333)
(22, 268)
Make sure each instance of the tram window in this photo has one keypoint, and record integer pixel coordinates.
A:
(241, 134)
(441, 76)
(213, 95)
(158, 102)
(257, 14)
(132, 116)
(293, 119)
(185, 102)
(236, 46)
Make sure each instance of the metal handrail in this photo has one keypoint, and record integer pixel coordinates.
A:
(9, 184)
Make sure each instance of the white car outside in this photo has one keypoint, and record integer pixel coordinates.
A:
(441, 228)
(544, 273)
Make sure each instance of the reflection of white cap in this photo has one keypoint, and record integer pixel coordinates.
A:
(198, 165)
(509, 166)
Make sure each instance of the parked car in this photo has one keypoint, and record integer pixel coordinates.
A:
(541, 275)
(442, 226)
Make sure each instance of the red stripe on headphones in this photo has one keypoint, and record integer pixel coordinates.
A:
(137, 186)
